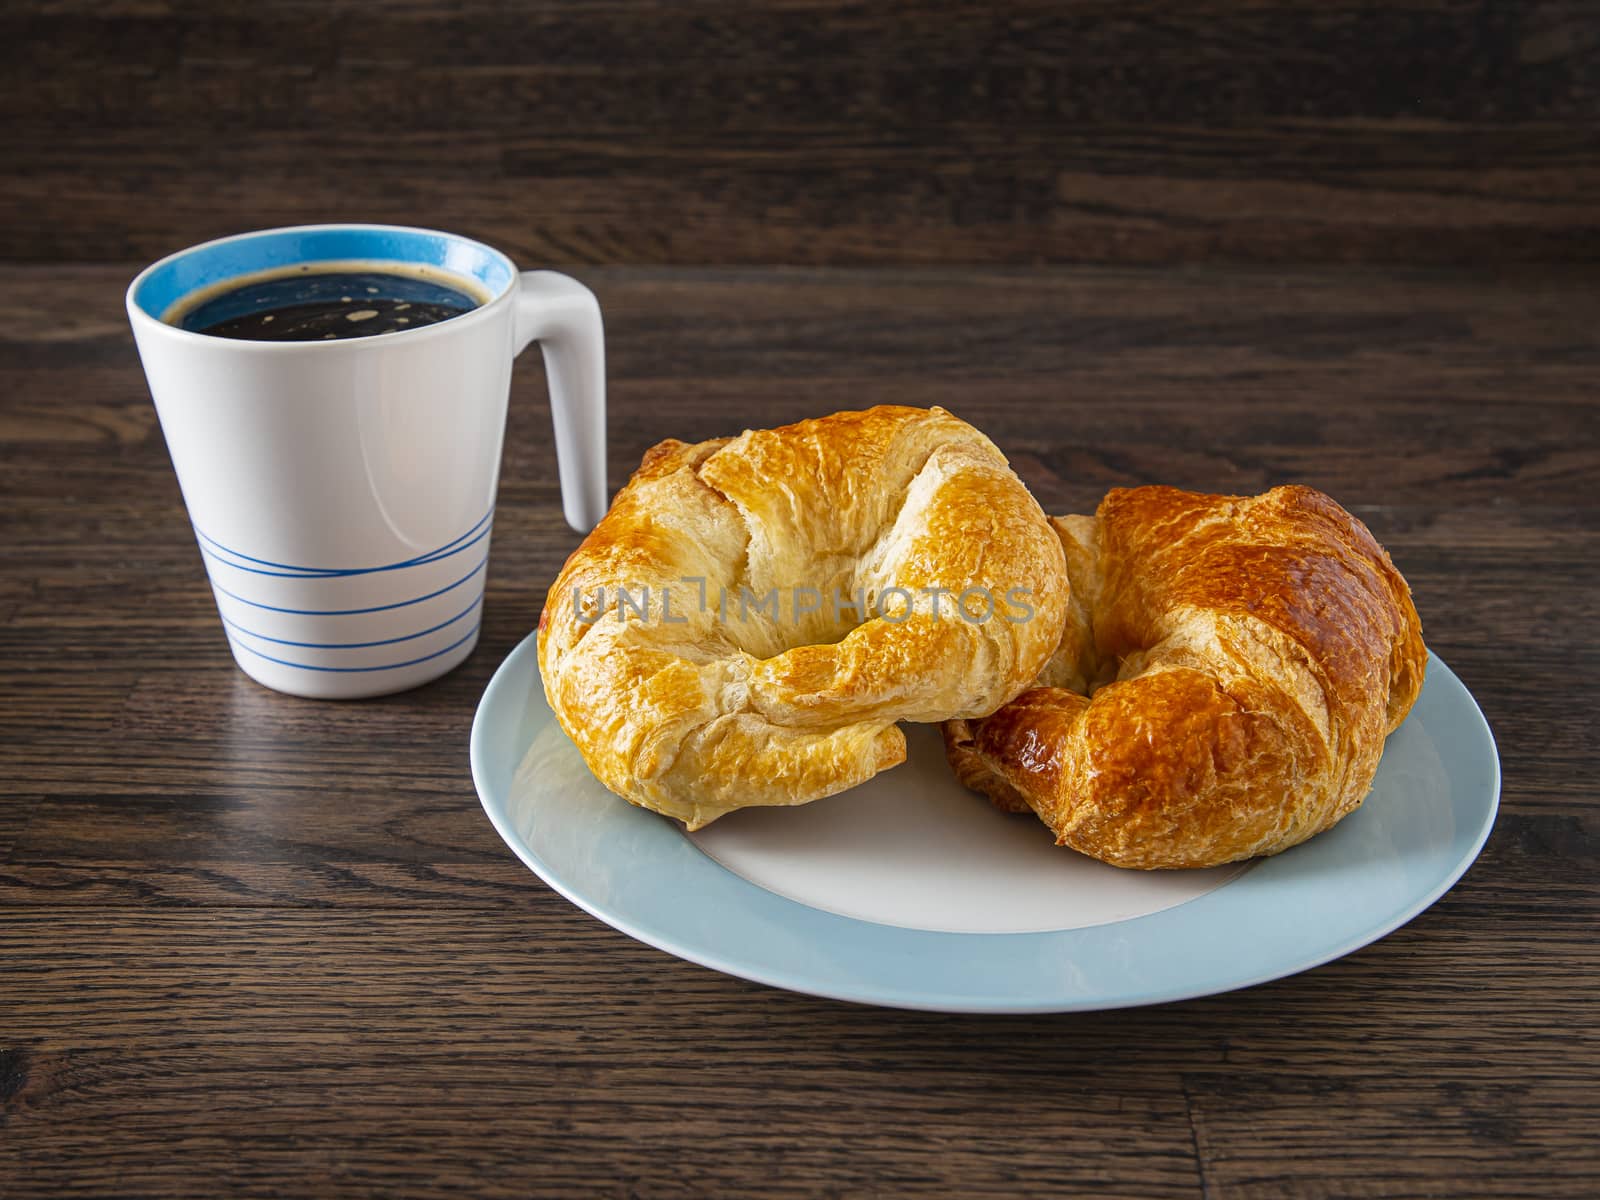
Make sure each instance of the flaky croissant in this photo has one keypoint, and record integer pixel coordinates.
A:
(690, 691)
(1229, 670)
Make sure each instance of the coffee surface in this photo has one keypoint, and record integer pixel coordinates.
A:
(311, 305)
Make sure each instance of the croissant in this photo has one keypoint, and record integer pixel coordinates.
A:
(754, 614)
(1229, 669)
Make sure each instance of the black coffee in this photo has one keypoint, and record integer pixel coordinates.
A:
(311, 305)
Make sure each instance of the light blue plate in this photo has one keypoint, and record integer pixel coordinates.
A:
(1431, 808)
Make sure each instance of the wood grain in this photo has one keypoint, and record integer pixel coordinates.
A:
(794, 131)
(252, 945)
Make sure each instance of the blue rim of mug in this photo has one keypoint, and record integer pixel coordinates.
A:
(170, 280)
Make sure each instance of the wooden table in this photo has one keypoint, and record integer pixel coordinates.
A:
(255, 945)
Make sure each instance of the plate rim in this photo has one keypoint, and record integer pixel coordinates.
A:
(522, 661)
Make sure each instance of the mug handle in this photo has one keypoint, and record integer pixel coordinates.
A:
(564, 317)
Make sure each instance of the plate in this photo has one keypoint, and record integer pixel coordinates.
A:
(911, 892)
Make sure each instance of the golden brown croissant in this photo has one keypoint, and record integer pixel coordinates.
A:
(754, 614)
(1228, 673)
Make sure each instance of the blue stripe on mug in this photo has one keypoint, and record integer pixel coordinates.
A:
(238, 645)
(410, 637)
(215, 550)
(351, 612)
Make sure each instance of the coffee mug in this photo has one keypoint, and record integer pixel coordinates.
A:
(342, 491)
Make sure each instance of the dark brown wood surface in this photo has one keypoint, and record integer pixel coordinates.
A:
(254, 945)
(799, 131)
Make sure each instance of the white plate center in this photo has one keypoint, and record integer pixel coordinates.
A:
(914, 848)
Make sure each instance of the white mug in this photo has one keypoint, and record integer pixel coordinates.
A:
(342, 492)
